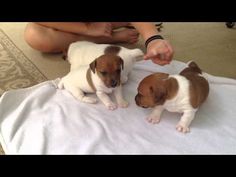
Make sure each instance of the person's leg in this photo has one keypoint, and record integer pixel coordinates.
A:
(49, 40)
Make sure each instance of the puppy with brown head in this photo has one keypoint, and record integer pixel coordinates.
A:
(84, 52)
(183, 93)
(108, 68)
(102, 76)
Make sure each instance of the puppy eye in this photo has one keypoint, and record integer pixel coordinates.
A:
(103, 73)
(118, 71)
(160, 97)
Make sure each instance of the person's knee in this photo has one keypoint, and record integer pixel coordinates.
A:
(38, 38)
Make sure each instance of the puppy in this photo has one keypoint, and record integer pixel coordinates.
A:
(101, 76)
(83, 53)
(182, 93)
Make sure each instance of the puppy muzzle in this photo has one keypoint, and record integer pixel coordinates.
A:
(137, 100)
(114, 83)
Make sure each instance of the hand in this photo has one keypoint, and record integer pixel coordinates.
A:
(159, 51)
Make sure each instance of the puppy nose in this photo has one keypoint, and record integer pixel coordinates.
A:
(113, 83)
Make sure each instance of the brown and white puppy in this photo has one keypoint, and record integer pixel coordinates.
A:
(102, 76)
(84, 52)
(182, 93)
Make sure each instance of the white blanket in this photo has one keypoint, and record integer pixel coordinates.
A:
(45, 120)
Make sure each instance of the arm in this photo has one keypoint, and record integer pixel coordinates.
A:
(160, 51)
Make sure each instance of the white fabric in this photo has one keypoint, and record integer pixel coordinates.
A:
(45, 120)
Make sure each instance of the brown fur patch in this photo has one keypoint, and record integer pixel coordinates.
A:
(112, 50)
(199, 89)
(199, 86)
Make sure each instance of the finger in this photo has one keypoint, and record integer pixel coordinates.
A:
(134, 41)
(164, 62)
(153, 53)
(146, 57)
(135, 32)
(171, 51)
(149, 55)
(168, 57)
(108, 30)
(160, 62)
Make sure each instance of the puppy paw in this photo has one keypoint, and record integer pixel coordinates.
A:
(124, 79)
(123, 104)
(89, 100)
(153, 120)
(182, 128)
(111, 106)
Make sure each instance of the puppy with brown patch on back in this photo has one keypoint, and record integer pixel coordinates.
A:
(183, 93)
(102, 76)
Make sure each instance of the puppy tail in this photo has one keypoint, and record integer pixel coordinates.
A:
(210, 78)
(194, 66)
(137, 54)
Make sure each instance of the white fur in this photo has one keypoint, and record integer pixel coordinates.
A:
(76, 83)
(84, 52)
(180, 103)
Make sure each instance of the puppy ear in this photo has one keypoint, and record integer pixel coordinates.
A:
(159, 96)
(151, 90)
(122, 63)
(93, 65)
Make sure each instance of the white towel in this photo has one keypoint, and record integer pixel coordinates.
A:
(45, 120)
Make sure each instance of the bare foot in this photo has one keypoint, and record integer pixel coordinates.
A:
(99, 29)
(126, 35)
